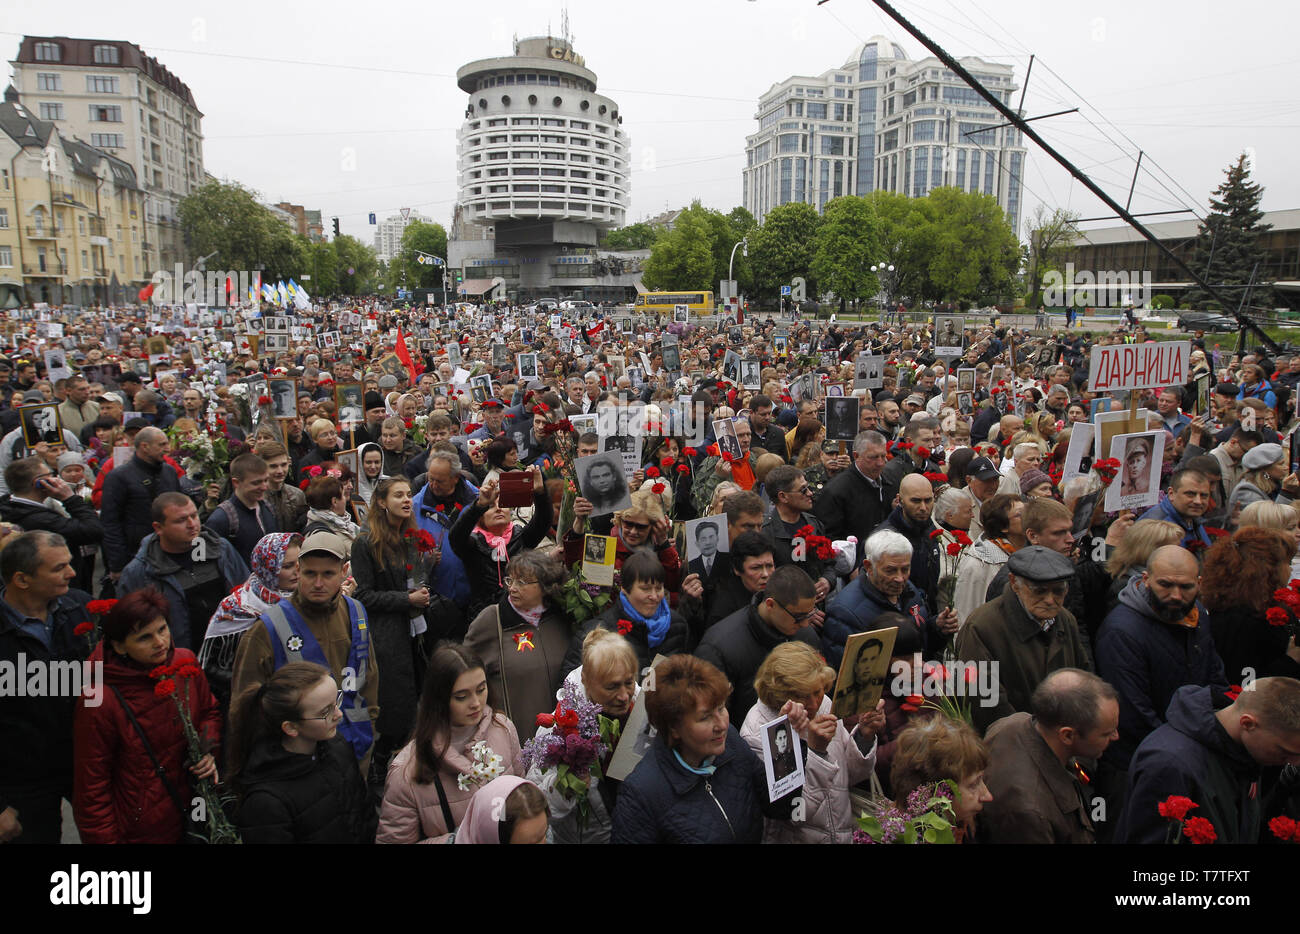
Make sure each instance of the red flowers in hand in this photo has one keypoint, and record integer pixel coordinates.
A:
(1107, 469)
(913, 703)
(1285, 829)
(1175, 807)
(689, 452)
(1277, 616)
(683, 468)
(99, 607)
(82, 629)
(1199, 830)
(652, 472)
(164, 688)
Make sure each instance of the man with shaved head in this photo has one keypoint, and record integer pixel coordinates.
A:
(1155, 641)
(129, 492)
(910, 518)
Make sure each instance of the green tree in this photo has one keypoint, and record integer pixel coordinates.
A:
(225, 218)
(639, 236)
(847, 245)
(424, 238)
(323, 266)
(682, 258)
(1051, 234)
(783, 248)
(358, 257)
(1229, 242)
(965, 245)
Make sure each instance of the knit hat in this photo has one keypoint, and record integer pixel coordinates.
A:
(69, 458)
(1032, 478)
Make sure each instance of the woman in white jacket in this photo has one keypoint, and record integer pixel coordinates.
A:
(608, 677)
(980, 563)
(836, 759)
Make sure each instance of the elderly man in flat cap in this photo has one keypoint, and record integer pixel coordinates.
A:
(1027, 630)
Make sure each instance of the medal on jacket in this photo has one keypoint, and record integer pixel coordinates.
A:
(524, 640)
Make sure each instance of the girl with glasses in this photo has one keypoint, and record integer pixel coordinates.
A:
(297, 779)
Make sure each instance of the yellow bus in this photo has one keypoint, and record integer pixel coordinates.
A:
(699, 303)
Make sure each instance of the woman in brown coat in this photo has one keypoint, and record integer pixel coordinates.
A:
(522, 639)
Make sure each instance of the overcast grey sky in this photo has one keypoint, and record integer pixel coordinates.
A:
(353, 108)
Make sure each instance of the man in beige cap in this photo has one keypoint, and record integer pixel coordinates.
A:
(318, 624)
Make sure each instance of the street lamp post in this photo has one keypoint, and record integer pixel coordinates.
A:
(731, 263)
(880, 269)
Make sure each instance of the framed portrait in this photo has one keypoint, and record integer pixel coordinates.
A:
(842, 418)
(602, 480)
(41, 423)
(349, 399)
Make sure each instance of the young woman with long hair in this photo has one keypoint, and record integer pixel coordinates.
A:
(392, 584)
(460, 744)
(297, 779)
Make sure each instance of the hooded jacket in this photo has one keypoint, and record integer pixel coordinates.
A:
(979, 564)
(152, 567)
(1192, 755)
(1147, 661)
(292, 798)
(118, 796)
(485, 569)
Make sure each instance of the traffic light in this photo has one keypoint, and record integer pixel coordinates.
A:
(336, 226)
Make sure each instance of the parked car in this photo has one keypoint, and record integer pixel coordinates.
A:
(1206, 321)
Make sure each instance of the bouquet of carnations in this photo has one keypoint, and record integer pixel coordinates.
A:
(569, 757)
(952, 542)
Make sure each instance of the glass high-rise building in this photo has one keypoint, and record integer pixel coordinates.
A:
(883, 122)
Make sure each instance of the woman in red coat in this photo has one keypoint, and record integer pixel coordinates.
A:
(118, 795)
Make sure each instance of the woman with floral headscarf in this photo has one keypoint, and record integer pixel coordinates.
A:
(275, 575)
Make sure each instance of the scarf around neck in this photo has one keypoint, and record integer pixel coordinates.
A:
(532, 617)
(341, 524)
(656, 626)
(498, 543)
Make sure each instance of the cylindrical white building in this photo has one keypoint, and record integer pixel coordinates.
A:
(542, 166)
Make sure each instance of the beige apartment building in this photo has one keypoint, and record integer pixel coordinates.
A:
(113, 96)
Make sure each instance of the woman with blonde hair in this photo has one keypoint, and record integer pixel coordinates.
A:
(718, 504)
(1129, 558)
(840, 753)
(1285, 519)
(1267, 478)
(607, 677)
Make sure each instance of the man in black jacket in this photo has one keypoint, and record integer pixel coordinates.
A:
(911, 519)
(129, 491)
(791, 501)
(30, 481)
(38, 618)
(738, 644)
(853, 502)
(767, 435)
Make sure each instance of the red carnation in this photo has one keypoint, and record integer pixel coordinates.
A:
(936, 533)
(99, 607)
(1199, 830)
(440, 508)
(961, 537)
(82, 628)
(689, 452)
(263, 400)
(546, 719)
(658, 488)
(165, 688)
(652, 472)
(923, 451)
(954, 549)
(1286, 829)
(682, 468)
(1277, 616)
(913, 702)
(624, 627)
(1175, 807)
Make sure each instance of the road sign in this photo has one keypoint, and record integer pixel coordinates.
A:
(406, 213)
(785, 290)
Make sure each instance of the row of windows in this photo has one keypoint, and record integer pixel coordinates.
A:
(543, 189)
(555, 81)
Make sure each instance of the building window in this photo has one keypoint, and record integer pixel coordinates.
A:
(4, 218)
(51, 111)
(101, 84)
(100, 114)
(106, 55)
(48, 82)
(48, 52)
(107, 140)
(6, 256)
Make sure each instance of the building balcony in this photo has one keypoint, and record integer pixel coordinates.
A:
(100, 272)
(39, 271)
(97, 227)
(42, 233)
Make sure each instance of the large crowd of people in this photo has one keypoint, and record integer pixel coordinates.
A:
(348, 591)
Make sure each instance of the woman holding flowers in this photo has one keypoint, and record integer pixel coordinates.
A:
(523, 637)
(134, 777)
(391, 564)
(460, 745)
(606, 682)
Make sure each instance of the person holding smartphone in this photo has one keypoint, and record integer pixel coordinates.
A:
(34, 488)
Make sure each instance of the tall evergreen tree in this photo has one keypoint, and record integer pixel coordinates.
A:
(1230, 243)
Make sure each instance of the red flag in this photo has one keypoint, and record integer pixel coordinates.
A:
(404, 355)
(592, 332)
(740, 313)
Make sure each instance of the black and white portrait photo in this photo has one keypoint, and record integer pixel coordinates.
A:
(707, 546)
(860, 681)
(595, 548)
(284, 397)
(527, 364)
(453, 353)
(782, 760)
(750, 371)
(603, 482)
(41, 423)
(1140, 455)
(966, 380)
(948, 335)
(725, 432)
(682, 313)
(672, 358)
(348, 397)
(868, 371)
(480, 388)
(966, 403)
(841, 418)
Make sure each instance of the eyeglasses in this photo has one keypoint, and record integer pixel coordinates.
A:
(513, 582)
(635, 526)
(338, 702)
(797, 617)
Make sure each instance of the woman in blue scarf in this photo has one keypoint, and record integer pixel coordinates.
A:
(639, 613)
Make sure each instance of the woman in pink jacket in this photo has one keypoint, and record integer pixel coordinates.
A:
(835, 759)
(460, 744)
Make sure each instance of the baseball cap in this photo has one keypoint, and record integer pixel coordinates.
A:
(111, 397)
(33, 395)
(388, 381)
(330, 543)
(914, 399)
(981, 468)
